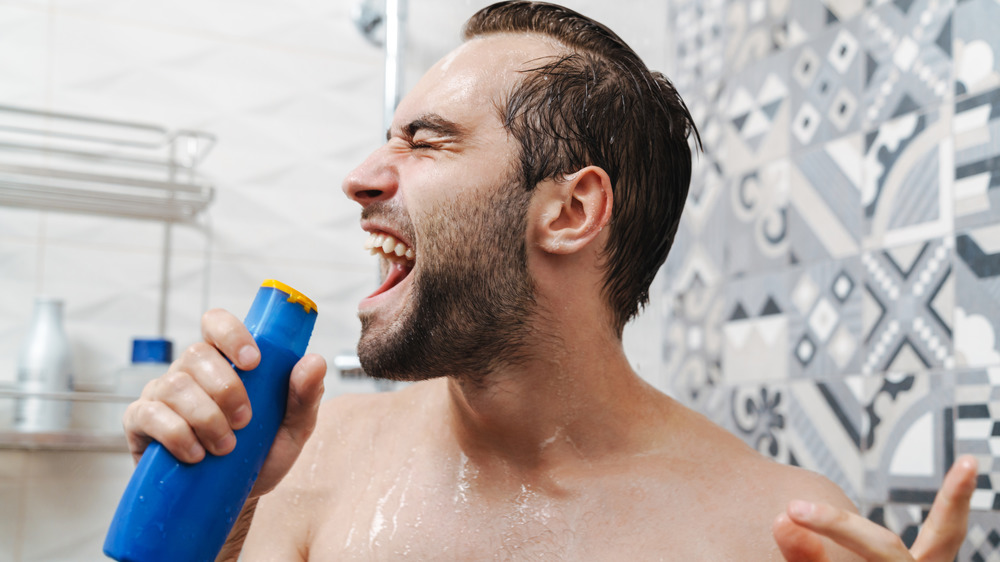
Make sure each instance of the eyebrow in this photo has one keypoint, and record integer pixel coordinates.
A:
(432, 122)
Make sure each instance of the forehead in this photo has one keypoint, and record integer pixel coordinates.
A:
(464, 85)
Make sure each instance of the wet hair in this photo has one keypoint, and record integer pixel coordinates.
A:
(597, 104)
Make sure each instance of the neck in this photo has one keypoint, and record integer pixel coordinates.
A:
(576, 401)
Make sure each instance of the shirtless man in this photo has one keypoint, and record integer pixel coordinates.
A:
(537, 173)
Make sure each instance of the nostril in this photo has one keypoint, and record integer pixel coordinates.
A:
(370, 194)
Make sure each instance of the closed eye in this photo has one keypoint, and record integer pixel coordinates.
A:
(417, 145)
(429, 131)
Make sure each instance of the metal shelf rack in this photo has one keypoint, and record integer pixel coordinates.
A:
(83, 164)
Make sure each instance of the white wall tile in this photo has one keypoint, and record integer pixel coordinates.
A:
(111, 295)
(19, 261)
(13, 466)
(24, 56)
(70, 499)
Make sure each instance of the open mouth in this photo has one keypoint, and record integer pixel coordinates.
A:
(398, 259)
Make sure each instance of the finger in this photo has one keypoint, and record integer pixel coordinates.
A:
(304, 395)
(305, 391)
(213, 373)
(865, 538)
(797, 544)
(227, 333)
(179, 391)
(146, 420)
(942, 533)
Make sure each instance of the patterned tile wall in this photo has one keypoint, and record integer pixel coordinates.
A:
(835, 294)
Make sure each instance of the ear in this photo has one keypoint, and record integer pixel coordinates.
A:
(573, 210)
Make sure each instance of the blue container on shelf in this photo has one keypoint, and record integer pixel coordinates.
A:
(174, 511)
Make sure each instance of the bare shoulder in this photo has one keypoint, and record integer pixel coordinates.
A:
(738, 489)
(746, 469)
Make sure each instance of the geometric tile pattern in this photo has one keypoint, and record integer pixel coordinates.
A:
(757, 227)
(909, 438)
(977, 430)
(982, 542)
(755, 31)
(977, 46)
(835, 301)
(907, 179)
(908, 308)
(976, 188)
(756, 330)
(826, 76)
(692, 346)
(824, 201)
(977, 297)
(826, 325)
(699, 42)
(757, 113)
(907, 50)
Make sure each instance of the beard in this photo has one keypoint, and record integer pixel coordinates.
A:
(472, 296)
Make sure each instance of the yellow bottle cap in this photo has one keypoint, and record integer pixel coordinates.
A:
(293, 295)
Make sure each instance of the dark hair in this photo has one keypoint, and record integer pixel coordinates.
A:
(599, 105)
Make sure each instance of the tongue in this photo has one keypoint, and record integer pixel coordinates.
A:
(395, 274)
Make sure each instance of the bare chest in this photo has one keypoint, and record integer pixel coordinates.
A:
(389, 521)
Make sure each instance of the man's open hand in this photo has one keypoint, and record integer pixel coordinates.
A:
(798, 531)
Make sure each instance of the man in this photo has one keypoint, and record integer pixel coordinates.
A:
(528, 192)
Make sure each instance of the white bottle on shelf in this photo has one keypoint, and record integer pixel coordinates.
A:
(45, 365)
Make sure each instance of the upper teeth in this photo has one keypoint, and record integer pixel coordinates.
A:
(388, 245)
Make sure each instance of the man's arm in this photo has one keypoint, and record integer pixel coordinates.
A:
(234, 542)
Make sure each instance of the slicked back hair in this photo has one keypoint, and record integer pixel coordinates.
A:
(597, 104)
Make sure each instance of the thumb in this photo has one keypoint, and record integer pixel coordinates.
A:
(305, 391)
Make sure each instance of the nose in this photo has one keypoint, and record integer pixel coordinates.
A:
(373, 180)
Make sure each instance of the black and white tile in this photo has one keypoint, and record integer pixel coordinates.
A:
(908, 49)
(826, 77)
(908, 307)
(976, 188)
(977, 297)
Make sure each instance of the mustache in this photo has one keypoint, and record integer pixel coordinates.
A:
(392, 214)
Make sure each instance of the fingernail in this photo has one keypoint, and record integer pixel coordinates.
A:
(248, 356)
(970, 463)
(226, 443)
(801, 509)
(196, 451)
(241, 416)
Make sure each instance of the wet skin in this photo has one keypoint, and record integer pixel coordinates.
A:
(566, 454)
(384, 476)
(563, 454)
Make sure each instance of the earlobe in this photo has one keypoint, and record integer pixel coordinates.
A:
(575, 210)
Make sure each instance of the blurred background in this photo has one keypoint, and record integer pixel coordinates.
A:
(833, 297)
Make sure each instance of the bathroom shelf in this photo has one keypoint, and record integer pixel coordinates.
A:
(68, 396)
(83, 164)
(71, 439)
(74, 163)
(64, 441)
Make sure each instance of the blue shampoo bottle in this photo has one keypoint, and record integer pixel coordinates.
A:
(174, 511)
